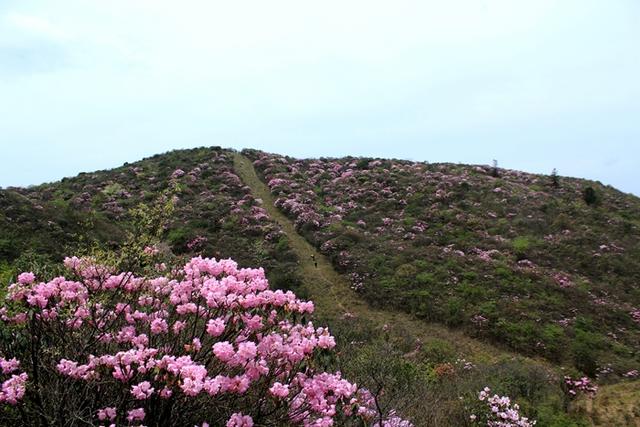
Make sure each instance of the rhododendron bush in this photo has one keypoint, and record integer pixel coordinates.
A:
(207, 343)
(499, 412)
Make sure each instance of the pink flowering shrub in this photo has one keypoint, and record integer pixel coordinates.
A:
(208, 343)
(575, 386)
(498, 411)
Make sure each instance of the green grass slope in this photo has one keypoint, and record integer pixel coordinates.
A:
(547, 267)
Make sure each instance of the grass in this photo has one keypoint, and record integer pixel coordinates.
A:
(515, 261)
(615, 405)
(331, 292)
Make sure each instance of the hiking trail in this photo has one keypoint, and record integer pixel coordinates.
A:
(330, 291)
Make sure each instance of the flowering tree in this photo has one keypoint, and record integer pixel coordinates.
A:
(206, 343)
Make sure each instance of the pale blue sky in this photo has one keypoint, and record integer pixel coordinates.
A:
(87, 85)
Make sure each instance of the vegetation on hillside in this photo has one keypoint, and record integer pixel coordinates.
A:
(214, 213)
(530, 261)
(540, 265)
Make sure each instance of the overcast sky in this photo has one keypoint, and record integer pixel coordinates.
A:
(538, 84)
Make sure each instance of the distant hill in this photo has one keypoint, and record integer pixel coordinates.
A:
(538, 265)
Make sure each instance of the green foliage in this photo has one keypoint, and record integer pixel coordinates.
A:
(437, 351)
(39, 264)
(522, 335)
(112, 189)
(454, 314)
(521, 246)
(283, 245)
(406, 272)
(590, 196)
(585, 348)
(425, 279)
(554, 341)
(549, 415)
(8, 250)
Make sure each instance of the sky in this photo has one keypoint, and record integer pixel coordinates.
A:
(536, 85)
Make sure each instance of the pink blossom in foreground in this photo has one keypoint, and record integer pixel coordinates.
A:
(26, 278)
(151, 250)
(137, 414)
(279, 390)
(239, 420)
(208, 331)
(142, 391)
(13, 388)
(107, 414)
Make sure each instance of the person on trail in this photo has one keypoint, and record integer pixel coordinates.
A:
(315, 261)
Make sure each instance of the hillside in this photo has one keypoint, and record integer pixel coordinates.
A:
(502, 254)
(215, 213)
(464, 275)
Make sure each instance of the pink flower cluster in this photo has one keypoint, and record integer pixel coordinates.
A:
(239, 420)
(563, 280)
(177, 174)
(210, 330)
(500, 411)
(14, 387)
(151, 250)
(196, 243)
(368, 411)
(575, 386)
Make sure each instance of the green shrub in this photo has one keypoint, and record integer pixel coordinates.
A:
(425, 279)
(585, 349)
(437, 351)
(454, 315)
(589, 195)
(521, 246)
(406, 272)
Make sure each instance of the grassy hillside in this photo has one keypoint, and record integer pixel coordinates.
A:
(214, 213)
(461, 277)
(545, 266)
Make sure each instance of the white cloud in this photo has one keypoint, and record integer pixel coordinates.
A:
(38, 26)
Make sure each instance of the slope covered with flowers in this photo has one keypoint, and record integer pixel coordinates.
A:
(208, 343)
(214, 213)
(547, 267)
